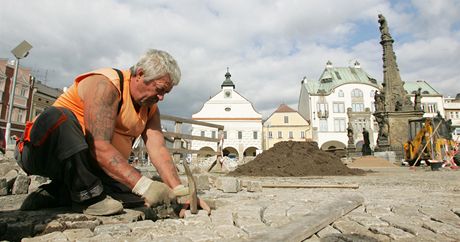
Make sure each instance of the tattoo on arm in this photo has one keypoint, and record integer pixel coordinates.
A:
(100, 111)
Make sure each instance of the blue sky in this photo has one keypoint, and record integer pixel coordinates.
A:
(269, 45)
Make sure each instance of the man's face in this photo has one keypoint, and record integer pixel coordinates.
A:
(147, 94)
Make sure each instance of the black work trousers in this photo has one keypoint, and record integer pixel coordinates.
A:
(58, 150)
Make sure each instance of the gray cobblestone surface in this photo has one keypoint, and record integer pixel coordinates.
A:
(399, 205)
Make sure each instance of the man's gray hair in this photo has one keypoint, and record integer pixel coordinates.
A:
(157, 63)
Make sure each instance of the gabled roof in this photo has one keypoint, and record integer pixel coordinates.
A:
(332, 77)
(412, 87)
(283, 108)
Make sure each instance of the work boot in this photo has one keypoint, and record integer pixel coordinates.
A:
(50, 195)
(102, 205)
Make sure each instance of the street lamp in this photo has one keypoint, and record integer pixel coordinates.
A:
(21, 51)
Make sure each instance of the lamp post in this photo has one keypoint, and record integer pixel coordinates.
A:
(20, 51)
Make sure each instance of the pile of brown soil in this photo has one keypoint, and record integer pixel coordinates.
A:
(293, 158)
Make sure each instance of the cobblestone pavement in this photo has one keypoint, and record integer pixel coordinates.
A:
(399, 205)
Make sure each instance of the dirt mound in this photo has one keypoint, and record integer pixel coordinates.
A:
(370, 161)
(293, 158)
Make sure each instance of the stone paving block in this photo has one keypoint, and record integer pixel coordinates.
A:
(351, 227)
(222, 217)
(201, 235)
(96, 238)
(413, 226)
(140, 225)
(10, 177)
(202, 182)
(128, 216)
(328, 230)
(313, 238)
(229, 184)
(298, 210)
(54, 236)
(391, 232)
(378, 210)
(74, 234)
(172, 239)
(53, 226)
(408, 211)
(21, 185)
(112, 229)
(442, 228)
(202, 215)
(255, 230)
(229, 232)
(441, 214)
(3, 187)
(275, 215)
(36, 181)
(90, 224)
(367, 220)
(254, 186)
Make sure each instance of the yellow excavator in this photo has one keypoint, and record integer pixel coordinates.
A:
(429, 140)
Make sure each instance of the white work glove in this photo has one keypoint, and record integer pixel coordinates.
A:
(154, 193)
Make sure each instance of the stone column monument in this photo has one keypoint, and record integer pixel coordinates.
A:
(393, 108)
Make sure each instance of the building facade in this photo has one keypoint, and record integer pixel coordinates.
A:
(242, 136)
(342, 98)
(452, 112)
(42, 97)
(22, 96)
(285, 124)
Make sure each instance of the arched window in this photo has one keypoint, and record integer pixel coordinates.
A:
(356, 93)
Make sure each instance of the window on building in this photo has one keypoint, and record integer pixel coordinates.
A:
(213, 134)
(357, 107)
(323, 125)
(356, 93)
(280, 134)
(302, 134)
(254, 134)
(20, 115)
(225, 134)
(240, 134)
(338, 107)
(23, 91)
(286, 119)
(270, 134)
(340, 93)
(339, 125)
(431, 107)
(291, 135)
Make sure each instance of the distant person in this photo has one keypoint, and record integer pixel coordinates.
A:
(366, 150)
(83, 142)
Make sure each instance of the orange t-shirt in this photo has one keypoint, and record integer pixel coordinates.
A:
(129, 124)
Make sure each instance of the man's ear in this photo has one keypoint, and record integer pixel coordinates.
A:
(140, 72)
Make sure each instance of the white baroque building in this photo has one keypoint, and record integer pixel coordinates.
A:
(242, 136)
(340, 98)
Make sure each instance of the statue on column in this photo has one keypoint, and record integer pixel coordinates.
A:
(379, 102)
(417, 100)
(351, 140)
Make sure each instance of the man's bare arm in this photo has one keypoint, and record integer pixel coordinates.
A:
(159, 153)
(101, 100)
